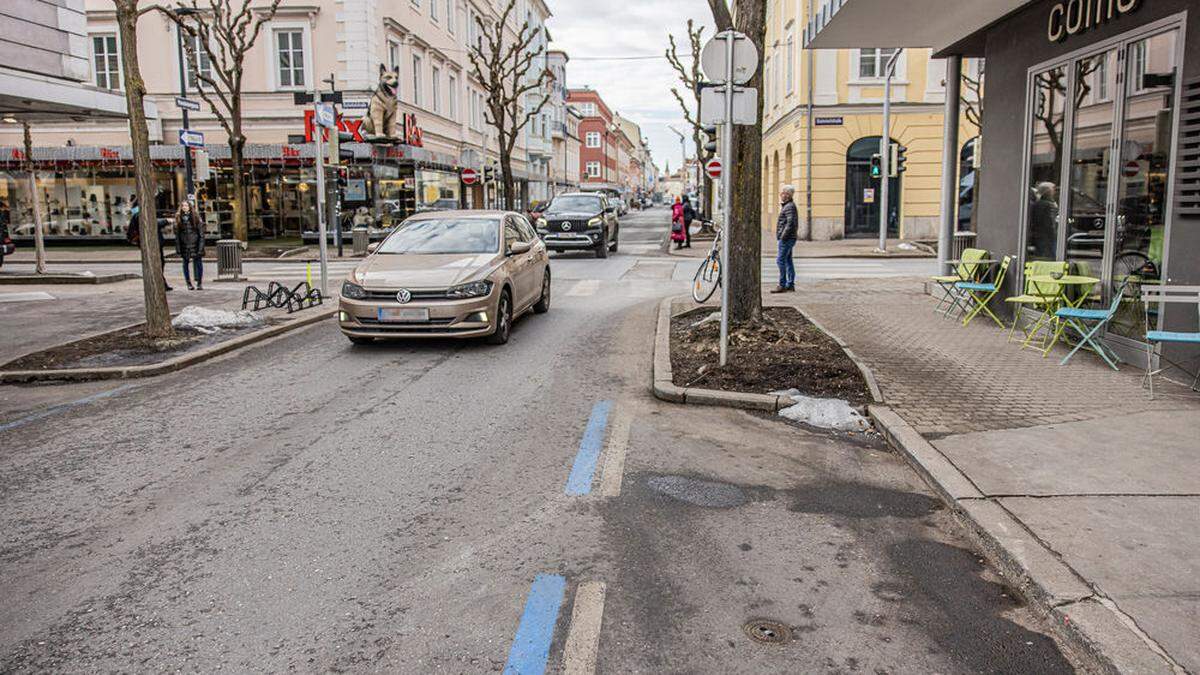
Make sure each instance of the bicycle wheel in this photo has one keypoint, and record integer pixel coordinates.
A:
(707, 278)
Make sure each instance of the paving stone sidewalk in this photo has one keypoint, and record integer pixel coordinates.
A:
(1103, 477)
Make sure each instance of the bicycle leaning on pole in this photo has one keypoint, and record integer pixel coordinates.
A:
(708, 276)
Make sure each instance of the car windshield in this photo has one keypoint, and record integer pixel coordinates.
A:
(575, 203)
(444, 235)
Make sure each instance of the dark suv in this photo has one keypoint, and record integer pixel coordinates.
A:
(576, 221)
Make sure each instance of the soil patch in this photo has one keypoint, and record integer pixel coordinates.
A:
(782, 351)
(124, 347)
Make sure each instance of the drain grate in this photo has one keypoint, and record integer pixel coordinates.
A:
(765, 631)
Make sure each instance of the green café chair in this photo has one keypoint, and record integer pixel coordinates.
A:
(1034, 296)
(968, 269)
(977, 294)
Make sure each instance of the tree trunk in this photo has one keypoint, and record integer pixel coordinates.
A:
(506, 176)
(241, 230)
(158, 315)
(39, 227)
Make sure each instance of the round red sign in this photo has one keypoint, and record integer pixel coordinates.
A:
(713, 168)
(469, 176)
(1131, 169)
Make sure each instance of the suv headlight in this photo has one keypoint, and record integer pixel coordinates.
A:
(541, 223)
(353, 291)
(474, 289)
(594, 222)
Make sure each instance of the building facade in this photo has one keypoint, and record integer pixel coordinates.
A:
(847, 97)
(440, 108)
(599, 155)
(564, 128)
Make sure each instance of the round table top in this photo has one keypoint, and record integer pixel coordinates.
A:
(1066, 279)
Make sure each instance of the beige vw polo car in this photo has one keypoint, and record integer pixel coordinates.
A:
(448, 274)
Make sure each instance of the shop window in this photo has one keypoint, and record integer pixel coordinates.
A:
(872, 62)
(105, 62)
(1091, 140)
(1045, 164)
(968, 178)
(289, 57)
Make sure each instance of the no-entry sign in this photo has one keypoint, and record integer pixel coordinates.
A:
(1131, 169)
(713, 168)
(469, 176)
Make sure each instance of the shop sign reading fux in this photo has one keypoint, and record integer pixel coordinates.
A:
(1072, 17)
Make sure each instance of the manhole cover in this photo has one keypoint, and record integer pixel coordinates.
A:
(767, 632)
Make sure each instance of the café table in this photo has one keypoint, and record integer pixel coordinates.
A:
(1056, 288)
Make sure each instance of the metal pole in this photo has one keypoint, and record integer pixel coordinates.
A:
(949, 160)
(39, 245)
(320, 165)
(188, 187)
(726, 193)
(335, 198)
(808, 144)
(885, 150)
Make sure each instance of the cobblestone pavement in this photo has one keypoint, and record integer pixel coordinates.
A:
(945, 378)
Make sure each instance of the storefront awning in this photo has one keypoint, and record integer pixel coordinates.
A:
(35, 98)
(937, 24)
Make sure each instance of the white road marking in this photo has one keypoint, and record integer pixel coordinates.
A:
(583, 636)
(25, 297)
(584, 288)
(614, 456)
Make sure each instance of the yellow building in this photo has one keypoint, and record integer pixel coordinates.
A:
(847, 98)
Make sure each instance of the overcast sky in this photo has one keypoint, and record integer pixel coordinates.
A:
(641, 89)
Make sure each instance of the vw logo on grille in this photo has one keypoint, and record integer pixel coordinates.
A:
(403, 295)
(566, 226)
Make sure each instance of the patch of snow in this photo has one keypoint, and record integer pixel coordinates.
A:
(905, 246)
(208, 321)
(715, 316)
(823, 413)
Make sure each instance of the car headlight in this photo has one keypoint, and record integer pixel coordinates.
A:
(541, 223)
(475, 289)
(595, 221)
(353, 291)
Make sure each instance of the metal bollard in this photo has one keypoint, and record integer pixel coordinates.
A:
(361, 240)
(229, 259)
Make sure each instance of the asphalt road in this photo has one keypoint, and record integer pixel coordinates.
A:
(452, 507)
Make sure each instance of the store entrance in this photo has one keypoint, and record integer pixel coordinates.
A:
(862, 193)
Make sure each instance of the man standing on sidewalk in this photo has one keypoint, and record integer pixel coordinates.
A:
(785, 235)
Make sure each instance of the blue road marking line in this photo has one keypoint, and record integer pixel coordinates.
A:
(55, 409)
(580, 480)
(531, 645)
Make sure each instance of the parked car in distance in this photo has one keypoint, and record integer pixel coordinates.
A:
(448, 274)
(575, 221)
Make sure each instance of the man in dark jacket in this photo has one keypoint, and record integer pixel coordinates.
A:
(785, 236)
(689, 214)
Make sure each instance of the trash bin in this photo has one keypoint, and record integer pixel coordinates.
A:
(229, 259)
(962, 241)
(360, 240)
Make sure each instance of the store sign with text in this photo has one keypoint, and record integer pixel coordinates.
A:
(1072, 17)
(350, 126)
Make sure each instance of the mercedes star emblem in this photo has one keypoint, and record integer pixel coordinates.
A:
(403, 295)
(566, 226)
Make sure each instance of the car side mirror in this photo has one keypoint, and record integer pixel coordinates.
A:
(519, 247)
(372, 246)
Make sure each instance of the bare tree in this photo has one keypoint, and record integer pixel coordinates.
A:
(154, 288)
(224, 34)
(690, 75)
(744, 235)
(504, 67)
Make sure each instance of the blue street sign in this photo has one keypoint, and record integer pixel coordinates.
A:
(192, 139)
(325, 115)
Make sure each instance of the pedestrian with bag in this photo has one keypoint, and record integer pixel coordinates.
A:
(677, 226)
(785, 237)
(189, 243)
(689, 214)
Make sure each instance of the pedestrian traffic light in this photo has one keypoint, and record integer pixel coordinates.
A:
(897, 159)
(345, 154)
(875, 167)
(711, 132)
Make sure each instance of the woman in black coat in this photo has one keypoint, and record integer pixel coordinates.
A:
(189, 243)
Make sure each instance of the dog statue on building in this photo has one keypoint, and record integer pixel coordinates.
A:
(381, 111)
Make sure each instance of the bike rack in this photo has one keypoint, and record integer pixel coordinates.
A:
(281, 297)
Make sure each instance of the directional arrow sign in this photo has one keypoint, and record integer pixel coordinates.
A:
(192, 139)
(713, 168)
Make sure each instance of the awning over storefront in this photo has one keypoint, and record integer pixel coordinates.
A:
(34, 97)
(13, 156)
(938, 24)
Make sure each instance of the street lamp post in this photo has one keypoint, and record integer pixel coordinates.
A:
(189, 187)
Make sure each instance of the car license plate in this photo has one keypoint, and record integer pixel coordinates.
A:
(403, 314)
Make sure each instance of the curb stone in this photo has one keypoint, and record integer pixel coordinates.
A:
(168, 366)
(64, 279)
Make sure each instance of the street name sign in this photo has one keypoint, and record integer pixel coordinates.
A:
(325, 115)
(192, 139)
(714, 61)
(835, 121)
(187, 104)
(713, 168)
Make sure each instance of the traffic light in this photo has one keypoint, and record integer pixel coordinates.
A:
(344, 154)
(711, 132)
(897, 159)
(876, 171)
